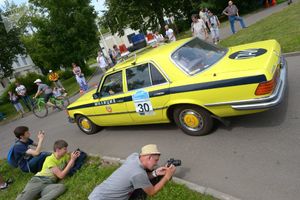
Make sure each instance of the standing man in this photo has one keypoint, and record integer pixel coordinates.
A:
(233, 15)
(134, 174)
(170, 34)
(54, 77)
(214, 24)
(198, 28)
(22, 92)
(101, 61)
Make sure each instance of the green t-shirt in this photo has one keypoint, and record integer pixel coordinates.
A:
(50, 162)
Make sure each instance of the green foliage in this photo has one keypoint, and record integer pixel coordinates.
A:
(269, 28)
(63, 75)
(92, 173)
(64, 32)
(182, 25)
(144, 14)
(10, 46)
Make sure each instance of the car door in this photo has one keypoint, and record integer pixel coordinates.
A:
(110, 108)
(149, 91)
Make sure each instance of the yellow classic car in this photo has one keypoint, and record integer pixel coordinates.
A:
(189, 82)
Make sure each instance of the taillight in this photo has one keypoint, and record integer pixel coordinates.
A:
(268, 86)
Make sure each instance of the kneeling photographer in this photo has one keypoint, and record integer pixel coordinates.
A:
(133, 179)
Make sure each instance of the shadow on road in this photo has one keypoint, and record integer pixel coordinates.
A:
(270, 118)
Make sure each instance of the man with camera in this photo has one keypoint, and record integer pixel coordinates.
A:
(135, 174)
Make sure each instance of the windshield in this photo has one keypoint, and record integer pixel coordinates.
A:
(197, 55)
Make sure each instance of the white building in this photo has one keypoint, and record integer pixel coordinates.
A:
(21, 66)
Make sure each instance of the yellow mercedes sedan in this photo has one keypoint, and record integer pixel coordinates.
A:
(189, 82)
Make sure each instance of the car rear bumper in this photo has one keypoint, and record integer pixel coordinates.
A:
(266, 102)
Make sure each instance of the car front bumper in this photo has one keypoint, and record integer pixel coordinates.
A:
(266, 102)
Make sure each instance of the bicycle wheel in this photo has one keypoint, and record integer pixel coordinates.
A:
(62, 103)
(40, 110)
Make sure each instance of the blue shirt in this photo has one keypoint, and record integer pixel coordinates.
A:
(20, 155)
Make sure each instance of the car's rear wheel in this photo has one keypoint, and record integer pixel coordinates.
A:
(86, 125)
(193, 120)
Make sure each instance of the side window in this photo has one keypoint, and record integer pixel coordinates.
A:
(156, 76)
(112, 84)
(138, 77)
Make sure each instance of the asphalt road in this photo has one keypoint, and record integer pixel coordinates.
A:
(257, 158)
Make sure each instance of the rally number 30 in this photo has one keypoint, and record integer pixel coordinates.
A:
(143, 107)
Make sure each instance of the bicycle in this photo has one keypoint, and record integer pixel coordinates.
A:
(40, 108)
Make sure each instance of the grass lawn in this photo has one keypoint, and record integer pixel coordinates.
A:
(282, 26)
(83, 182)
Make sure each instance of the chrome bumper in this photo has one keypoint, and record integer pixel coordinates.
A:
(265, 102)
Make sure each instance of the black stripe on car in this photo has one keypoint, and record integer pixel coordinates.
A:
(180, 89)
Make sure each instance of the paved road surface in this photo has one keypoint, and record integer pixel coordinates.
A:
(256, 158)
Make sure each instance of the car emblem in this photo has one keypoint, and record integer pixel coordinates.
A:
(247, 53)
(108, 108)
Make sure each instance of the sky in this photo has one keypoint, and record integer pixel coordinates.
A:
(98, 4)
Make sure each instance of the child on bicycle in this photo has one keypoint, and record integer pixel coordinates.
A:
(43, 88)
(59, 93)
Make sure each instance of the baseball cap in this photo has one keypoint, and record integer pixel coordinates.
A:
(37, 81)
(149, 149)
(50, 71)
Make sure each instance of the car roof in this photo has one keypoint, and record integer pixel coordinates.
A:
(149, 53)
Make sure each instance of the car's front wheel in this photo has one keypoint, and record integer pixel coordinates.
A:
(86, 125)
(193, 120)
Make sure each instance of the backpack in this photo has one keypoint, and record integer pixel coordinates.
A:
(11, 157)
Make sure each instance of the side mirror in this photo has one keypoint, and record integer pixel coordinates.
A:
(96, 95)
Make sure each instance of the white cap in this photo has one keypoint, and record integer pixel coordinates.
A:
(37, 81)
(50, 71)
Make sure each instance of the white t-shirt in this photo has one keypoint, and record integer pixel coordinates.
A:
(101, 61)
(198, 29)
(170, 34)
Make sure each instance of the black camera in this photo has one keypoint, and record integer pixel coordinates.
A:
(77, 149)
(174, 162)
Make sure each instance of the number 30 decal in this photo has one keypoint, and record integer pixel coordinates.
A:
(144, 107)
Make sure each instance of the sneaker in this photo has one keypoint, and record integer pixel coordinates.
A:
(4, 186)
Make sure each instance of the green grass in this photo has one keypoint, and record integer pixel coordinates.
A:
(84, 181)
(283, 26)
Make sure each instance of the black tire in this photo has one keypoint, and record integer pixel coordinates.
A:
(41, 111)
(193, 120)
(90, 128)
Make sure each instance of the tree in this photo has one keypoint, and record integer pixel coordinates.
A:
(10, 46)
(65, 32)
(149, 14)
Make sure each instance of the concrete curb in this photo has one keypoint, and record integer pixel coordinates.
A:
(291, 54)
(192, 186)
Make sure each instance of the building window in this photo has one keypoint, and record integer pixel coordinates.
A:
(17, 63)
(24, 60)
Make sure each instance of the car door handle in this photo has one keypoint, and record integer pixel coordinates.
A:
(158, 93)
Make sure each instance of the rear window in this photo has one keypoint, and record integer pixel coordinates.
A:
(197, 55)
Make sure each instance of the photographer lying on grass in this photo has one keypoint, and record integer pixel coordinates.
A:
(56, 166)
(133, 176)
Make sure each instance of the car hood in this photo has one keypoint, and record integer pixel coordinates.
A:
(86, 98)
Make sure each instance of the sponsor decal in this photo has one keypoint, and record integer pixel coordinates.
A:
(108, 109)
(142, 103)
(247, 53)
